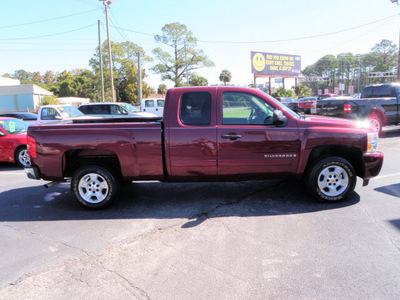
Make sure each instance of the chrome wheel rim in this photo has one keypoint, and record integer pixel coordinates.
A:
(93, 188)
(333, 181)
(24, 158)
(375, 124)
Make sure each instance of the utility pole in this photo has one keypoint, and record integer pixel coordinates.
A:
(186, 62)
(106, 5)
(398, 58)
(140, 94)
(101, 64)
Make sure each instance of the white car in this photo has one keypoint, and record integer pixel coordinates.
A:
(114, 110)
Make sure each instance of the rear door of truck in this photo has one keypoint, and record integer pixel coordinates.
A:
(190, 134)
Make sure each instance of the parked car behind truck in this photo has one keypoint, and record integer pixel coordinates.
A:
(207, 134)
(13, 141)
(153, 105)
(114, 110)
(48, 114)
(379, 104)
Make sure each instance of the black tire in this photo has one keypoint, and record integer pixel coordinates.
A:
(22, 157)
(331, 179)
(94, 187)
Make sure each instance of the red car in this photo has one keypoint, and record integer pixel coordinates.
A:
(13, 141)
(305, 104)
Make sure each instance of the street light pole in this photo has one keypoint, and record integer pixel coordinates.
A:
(101, 64)
(398, 59)
(106, 5)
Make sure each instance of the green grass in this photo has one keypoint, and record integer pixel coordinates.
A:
(237, 113)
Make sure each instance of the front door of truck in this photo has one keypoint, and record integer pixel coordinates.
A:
(249, 144)
(191, 136)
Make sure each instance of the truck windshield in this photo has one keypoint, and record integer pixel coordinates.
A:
(14, 126)
(70, 111)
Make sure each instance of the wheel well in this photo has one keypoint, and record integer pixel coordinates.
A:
(352, 154)
(381, 116)
(75, 159)
(17, 149)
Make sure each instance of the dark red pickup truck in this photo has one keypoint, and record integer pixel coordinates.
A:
(207, 134)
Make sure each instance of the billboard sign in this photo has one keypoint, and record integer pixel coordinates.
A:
(275, 64)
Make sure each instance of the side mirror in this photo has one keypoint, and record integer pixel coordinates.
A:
(57, 117)
(279, 118)
(2, 133)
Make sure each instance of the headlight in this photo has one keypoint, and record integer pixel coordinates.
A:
(372, 141)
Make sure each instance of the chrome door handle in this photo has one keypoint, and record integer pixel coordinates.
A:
(231, 136)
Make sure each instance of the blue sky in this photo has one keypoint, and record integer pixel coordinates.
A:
(62, 35)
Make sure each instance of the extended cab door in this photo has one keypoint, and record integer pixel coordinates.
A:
(190, 134)
(250, 145)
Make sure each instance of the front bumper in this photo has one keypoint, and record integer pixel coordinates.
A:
(32, 172)
(372, 164)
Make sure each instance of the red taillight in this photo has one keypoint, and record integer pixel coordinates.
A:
(347, 108)
(314, 107)
(32, 146)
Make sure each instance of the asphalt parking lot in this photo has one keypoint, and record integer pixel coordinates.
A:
(241, 240)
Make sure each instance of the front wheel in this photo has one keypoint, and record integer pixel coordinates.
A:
(376, 122)
(22, 157)
(331, 179)
(94, 187)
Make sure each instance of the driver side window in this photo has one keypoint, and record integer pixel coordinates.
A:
(244, 108)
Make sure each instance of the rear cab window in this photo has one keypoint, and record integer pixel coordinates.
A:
(195, 108)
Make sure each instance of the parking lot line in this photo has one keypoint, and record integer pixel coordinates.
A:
(387, 175)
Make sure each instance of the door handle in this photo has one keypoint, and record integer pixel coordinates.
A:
(231, 136)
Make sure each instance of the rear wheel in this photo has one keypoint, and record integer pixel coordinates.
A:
(376, 122)
(94, 187)
(22, 157)
(331, 179)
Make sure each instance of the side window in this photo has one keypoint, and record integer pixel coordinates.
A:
(116, 110)
(83, 109)
(195, 108)
(367, 92)
(244, 108)
(382, 91)
(149, 103)
(160, 103)
(95, 109)
(49, 113)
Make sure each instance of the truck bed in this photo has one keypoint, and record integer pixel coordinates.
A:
(137, 144)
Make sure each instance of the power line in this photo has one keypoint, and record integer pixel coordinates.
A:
(301, 38)
(47, 35)
(275, 41)
(351, 40)
(48, 20)
(121, 33)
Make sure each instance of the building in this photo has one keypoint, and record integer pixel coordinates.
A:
(20, 97)
(74, 101)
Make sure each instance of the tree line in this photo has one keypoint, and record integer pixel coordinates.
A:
(353, 70)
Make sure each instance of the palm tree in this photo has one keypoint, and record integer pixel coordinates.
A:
(225, 76)
(162, 89)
